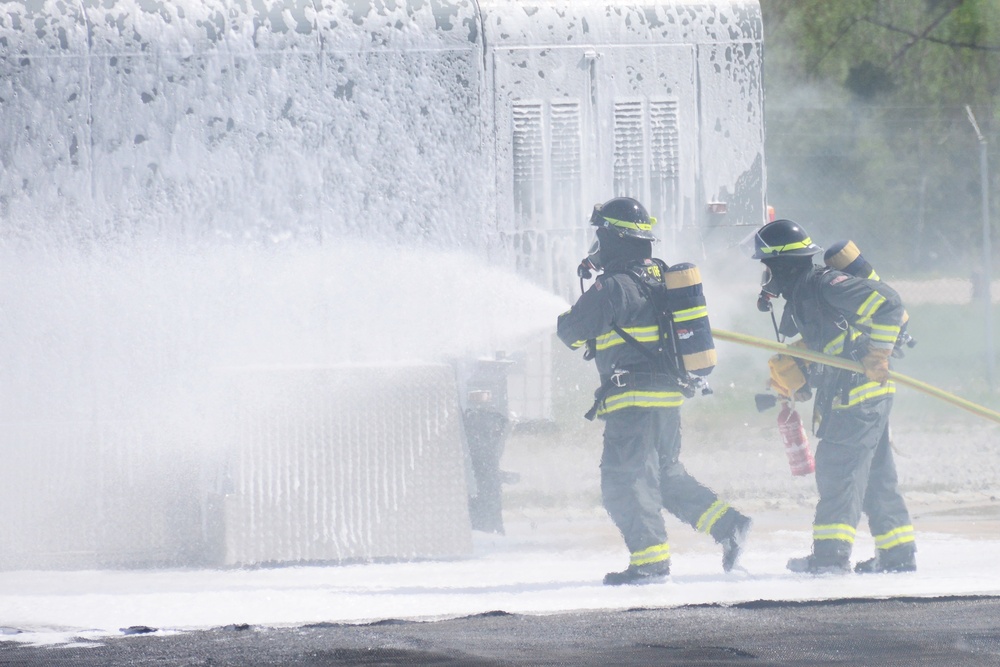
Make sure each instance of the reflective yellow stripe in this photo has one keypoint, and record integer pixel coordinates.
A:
(894, 538)
(654, 554)
(641, 334)
(691, 314)
(834, 531)
(711, 515)
(868, 308)
(865, 392)
(791, 246)
(884, 333)
(579, 343)
(641, 399)
(835, 346)
(641, 226)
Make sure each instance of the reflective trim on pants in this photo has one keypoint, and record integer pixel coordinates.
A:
(894, 538)
(710, 516)
(834, 531)
(654, 554)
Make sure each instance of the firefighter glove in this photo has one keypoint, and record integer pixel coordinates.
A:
(876, 364)
(787, 378)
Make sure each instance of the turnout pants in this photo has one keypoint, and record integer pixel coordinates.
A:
(641, 474)
(855, 473)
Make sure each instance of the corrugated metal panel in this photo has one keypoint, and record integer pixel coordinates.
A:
(347, 464)
(630, 150)
(528, 144)
(336, 464)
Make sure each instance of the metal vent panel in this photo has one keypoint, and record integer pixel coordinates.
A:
(629, 147)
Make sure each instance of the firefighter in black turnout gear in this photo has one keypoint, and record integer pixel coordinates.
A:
(858, 318)
(639, 402)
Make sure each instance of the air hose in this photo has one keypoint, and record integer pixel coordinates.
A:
(851, 365)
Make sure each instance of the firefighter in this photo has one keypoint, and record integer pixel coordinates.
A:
(640, 470)
(842, 315)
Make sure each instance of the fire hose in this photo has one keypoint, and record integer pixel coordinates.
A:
(851, 365)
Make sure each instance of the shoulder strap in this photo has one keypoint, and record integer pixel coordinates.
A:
(664, 363)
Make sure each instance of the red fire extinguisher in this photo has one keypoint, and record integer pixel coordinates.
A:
(793, 435)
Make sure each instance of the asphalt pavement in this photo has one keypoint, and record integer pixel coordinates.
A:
(901, 631)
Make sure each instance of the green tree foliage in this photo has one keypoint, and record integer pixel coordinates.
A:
(867, 130)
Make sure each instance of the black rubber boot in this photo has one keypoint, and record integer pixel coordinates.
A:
(897, 559)
(827, 557)
(813, 564)
(652, 573)
(732, 545)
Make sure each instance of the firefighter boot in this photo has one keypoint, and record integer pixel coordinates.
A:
(732, 544)
(901, 558)
(827, 558)
(650, 573)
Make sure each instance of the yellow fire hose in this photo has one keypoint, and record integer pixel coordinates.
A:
(850, 365)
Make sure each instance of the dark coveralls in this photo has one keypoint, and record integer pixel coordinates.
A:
(842, 315)
(640, 470)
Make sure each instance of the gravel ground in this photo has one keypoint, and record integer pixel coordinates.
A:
(946, 466)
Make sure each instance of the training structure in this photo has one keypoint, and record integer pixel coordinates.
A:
(486, 126)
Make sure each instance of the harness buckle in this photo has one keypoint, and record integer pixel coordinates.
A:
(618, 378)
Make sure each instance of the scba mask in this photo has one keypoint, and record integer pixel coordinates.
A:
(594, 254)
(592, 262)
(768, 284)
(768, 291)
(780, 275)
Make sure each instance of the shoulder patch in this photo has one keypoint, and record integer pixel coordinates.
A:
(838, 279)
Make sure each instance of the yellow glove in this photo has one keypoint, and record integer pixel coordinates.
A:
(876, 364)
(786, 376)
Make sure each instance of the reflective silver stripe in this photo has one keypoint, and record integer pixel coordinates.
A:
(868, 308)
(884, 333)
(691, 314)
(865, 392)
(641, 334)
(641, 399)
(834, 531)
(654, 554)
(894, 538)
(710, 516)
(835, 346)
